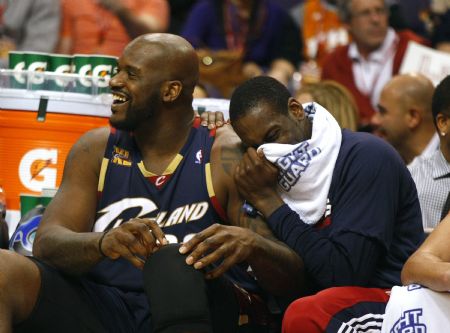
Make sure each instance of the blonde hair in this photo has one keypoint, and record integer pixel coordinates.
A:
(336, 99)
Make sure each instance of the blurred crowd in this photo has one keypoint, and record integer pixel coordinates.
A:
(358, 44)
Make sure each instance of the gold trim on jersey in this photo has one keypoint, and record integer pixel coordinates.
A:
(169, 170)
(209, 183)
(101, 178)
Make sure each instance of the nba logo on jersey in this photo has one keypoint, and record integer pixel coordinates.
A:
(409, 322)
(199, 157)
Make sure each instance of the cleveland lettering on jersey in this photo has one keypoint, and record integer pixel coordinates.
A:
(110, 216)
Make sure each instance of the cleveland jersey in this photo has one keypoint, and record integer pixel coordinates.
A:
(181, 199)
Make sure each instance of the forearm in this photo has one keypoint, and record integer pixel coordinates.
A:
(344, 259)
(278, 269)
(427, 270)
(71, 252)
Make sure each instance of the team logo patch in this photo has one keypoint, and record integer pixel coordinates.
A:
(121, 157)
(159, 181)
(294, 164)
(409, 322)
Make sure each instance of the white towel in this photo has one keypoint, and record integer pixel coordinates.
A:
(306, 168)
(417, 309)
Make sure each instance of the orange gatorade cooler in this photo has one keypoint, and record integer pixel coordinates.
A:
(32, 153)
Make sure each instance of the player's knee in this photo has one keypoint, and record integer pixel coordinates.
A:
(176, 291)
(166, 261)
(298, 316)
(17, 270)
(3, 276)
(168, 269)
(7, 270)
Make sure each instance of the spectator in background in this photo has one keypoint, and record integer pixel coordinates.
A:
(372, 58)
(179, 11)
(262, 33)
(410, 14)
(106, 26)
(335, 98)
(28, 26)
(441, 25)
(405, 119)
(432, 174)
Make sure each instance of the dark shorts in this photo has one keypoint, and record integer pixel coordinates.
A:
(67, 304)
(73, 304)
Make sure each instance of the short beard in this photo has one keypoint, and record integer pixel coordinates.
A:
(129, 124)
(135, 118)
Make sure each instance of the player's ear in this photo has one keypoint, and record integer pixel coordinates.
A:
(170, 90)
(296, 109)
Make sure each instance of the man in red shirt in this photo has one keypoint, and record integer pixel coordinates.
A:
(375, 54)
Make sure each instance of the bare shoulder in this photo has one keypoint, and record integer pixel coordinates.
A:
(93, 140)
(225, 156)
(80, 180)
(90, 145)
(227, 135)
(226, 151)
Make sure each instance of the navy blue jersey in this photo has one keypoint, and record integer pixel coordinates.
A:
(372, 223)
(181, 199)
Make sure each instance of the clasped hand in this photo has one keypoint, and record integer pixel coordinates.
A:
(223, 245)
(134, 240)
(256, 178)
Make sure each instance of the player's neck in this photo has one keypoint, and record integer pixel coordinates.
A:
(419, 142)
(162, 139)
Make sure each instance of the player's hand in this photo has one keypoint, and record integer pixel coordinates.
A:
(133, 240)
(256, 180)
(219, 242)
(211, 119)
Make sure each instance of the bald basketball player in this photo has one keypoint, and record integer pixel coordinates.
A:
(102, 259)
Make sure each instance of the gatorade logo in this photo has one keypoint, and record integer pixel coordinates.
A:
(104, 72)
(20, 66)
(63, 69)
(35, 171)
(84, 71)
(38, 66)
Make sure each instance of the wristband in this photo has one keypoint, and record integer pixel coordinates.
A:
(100, 242)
